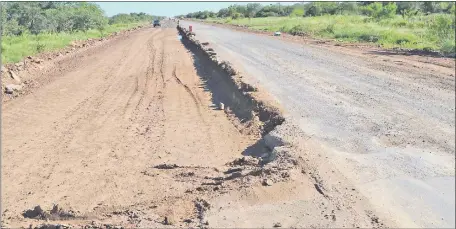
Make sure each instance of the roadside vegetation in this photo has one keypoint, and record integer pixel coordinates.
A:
(428, 26)
(28, 28)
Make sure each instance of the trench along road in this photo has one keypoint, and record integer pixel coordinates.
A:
(127, 134)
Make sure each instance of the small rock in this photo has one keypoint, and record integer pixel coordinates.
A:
(234, 176)
(267, 182)
(273, 140)
(11, 88)
(37, 60)
(15, 77)
(232, 170)
(4, 69)
(277, 225)
(37, 211)
(168, 220)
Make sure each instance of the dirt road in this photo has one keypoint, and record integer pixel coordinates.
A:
(88, 139)
(127, 134)
(384, 121)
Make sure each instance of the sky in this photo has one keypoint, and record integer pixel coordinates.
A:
(168, 9)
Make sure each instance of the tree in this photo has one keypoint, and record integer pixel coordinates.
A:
(407, 9)
(223, 13)
(429, 7)
(314, 9)
(252, 9)
(347, 8)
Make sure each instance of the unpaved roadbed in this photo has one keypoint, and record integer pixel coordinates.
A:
(90, 138)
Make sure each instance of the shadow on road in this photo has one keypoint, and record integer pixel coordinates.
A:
(222, 89)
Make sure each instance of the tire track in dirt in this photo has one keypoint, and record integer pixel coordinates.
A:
(92, 110)
(97, 153)
(67, 130)
(150, 69)
(195, 100)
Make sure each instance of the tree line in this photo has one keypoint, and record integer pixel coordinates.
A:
(18, 18)
(374, 9)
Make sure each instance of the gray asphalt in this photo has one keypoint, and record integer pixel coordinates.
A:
(391, 130)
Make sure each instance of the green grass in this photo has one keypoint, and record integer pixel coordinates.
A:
(432, 32)
(15, 48)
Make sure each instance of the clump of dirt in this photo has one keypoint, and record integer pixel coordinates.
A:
(239, 173)
(201, 207)
(248, 171)
(52, 226)
(245, 161)
(56, 213)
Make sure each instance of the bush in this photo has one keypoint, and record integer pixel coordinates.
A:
(378, 11)
(236, 16)
(297, 12)
(442, 26)
(448, 47)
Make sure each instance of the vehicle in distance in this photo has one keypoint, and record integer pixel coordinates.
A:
(156, 23)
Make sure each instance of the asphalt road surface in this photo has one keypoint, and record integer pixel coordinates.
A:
(387, 122)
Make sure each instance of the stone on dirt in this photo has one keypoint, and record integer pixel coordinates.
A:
(169, 220)
(234, 176)
(15, 76)
(53, 226)
(11, 88)
(166, 166)
(247, 160)
(273, 140)
(277, 225)
(267, 182)
(37, 60)
(33, 213)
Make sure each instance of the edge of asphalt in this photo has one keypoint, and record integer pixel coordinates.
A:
(281, 135)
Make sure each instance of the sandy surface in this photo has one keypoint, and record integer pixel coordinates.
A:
(385, 122)
(87, 139)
